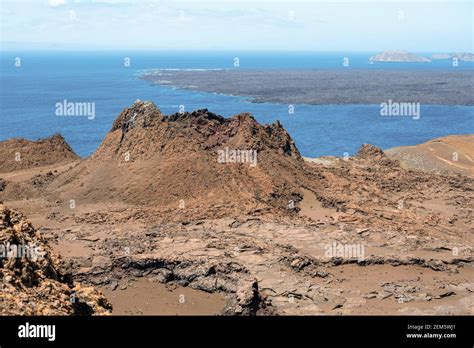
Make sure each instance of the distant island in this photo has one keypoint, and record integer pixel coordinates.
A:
(463, 56)
(441, 56)
(398, 57)
(407, 57)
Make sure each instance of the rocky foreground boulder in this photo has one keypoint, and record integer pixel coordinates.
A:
(31, 280)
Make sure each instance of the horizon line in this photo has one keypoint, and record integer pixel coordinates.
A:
(224, 50)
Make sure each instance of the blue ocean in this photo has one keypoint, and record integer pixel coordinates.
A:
(30, 91)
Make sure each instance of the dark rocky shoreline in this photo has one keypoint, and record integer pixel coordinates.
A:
(327, 86)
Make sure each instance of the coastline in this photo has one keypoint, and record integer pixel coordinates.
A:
(325, 87)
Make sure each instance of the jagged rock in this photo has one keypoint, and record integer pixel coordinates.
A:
(445, 294)
(249, 298)
(368, 151)
(33, 283)
(3, 184)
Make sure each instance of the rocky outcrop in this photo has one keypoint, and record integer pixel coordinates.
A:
(368, 151)
(18, 154)
(197, 160)
(31, 279)
(249, 298)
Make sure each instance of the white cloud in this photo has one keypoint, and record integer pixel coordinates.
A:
(56, 3)
(205, 24)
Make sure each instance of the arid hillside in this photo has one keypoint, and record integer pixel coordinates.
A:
(18, 154)
(448, 155)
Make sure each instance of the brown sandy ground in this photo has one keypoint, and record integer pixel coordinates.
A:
(149, 297)
(260, 244)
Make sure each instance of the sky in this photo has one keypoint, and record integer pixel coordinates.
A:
(282, 25)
